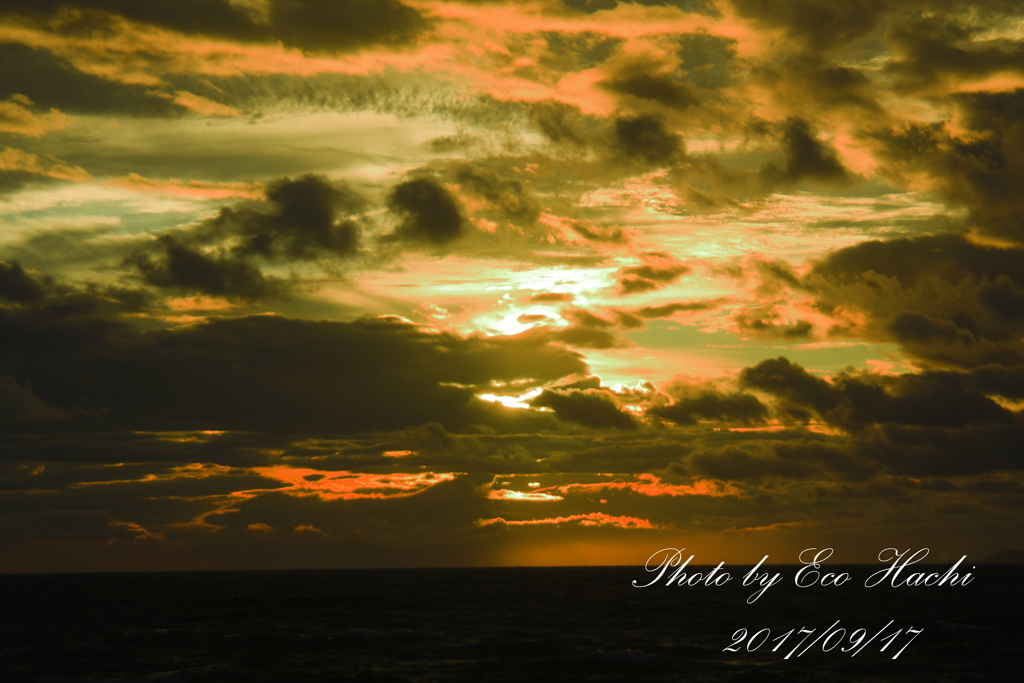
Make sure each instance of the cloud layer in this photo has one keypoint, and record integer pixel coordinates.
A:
(463, 282)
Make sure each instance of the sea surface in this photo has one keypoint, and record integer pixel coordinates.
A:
(502, 624)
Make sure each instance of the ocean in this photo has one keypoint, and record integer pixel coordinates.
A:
(503, 624)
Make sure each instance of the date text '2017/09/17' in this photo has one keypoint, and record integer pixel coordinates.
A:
(829, 639)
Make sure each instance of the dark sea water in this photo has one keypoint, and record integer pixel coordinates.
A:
(498, 624)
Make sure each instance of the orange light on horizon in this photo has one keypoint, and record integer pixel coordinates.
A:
(588, 519)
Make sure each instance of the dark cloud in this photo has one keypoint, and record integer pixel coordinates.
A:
(943, 452)
(1008, 382)
(19, 403)
(212, 17)
(587, 407)
(620, 319)
(267, 373)
(559, 122)
(1003, 298)
(311, 218)
(585, 318)
(661, 269)
(509, 196)
(628, 321)
(13, 181)
(980, 168)
(808, 82)
(428, 212)
(636, 285)
(446, 144)
(790, 382)
(333, 25)
(926, 399)
(668, 310)
(854, 402)
(775, 276)
(713, 405)
(569, 51)
(805, 158)
(817, 24)
(612, 234)
(53, 84)
(66, 452)
(587, 337)
(65, 322)
(766, 323)
(185, 269)
(551, 298)
(315, 25)
(78, 526)
(665, 274)
(913, 261)
(948, 300)
(587, 383)
(914, 329)
(703, 183)
(870, 465)
(739, 464)
(826, 457)
(646, 139)
(707, 61)
(17, 286)
(932, 47)
(656, 88)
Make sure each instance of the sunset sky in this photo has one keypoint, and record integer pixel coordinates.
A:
(311, 283)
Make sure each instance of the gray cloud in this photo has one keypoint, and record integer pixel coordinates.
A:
(805, 158)
(270, 373)
(591, 408)
(428, 212)
(311, 218)
(185, 269)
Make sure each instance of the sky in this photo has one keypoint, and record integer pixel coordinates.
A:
(298, 283)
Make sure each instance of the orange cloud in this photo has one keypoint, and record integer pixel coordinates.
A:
(491, 49)
(776, 526)
(138, 54)
(201, 105)
(17, 160)
(188, 188)
(627, 20)
(348, 485)
(17, 119)
(199, 303)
